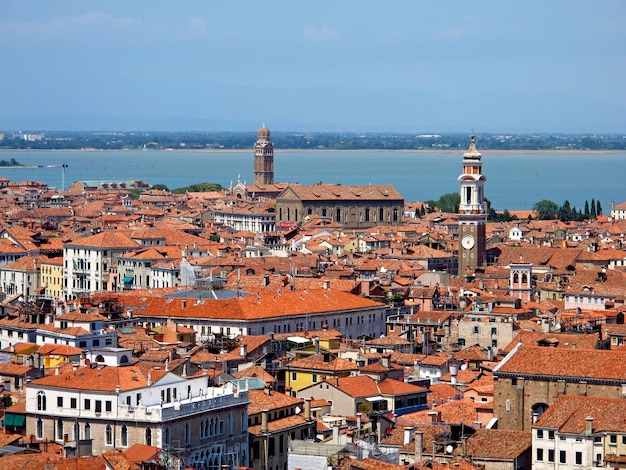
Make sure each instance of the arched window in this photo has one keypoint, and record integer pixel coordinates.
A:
(59, 430)
(168, 436)
(108, 435)
(324, 212)
(124, 436)
(395, 214)
(41, 401)
(39, 430)
(338, 215)
(367, 215)
(87, 431)
(148, 436)
(187, 434)
(381, 214)
(309, 211)
(99, 358)
(124, 360)
(76, 431)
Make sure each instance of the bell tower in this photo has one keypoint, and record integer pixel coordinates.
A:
(472, 213)
(263, 158)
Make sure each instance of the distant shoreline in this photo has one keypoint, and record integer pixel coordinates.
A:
(276, 151)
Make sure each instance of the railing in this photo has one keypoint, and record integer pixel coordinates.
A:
(182, 408)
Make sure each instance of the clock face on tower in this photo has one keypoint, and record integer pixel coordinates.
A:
(467, 242)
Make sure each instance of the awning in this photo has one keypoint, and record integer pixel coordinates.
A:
(298, 339)
(375, 399)
(14, 420)
(127, 279)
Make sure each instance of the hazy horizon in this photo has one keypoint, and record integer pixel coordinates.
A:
(351, 66)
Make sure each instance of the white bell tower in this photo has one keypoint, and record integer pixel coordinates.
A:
(472, 213)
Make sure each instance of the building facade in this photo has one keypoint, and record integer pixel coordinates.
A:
(352, 207)
(105, 407)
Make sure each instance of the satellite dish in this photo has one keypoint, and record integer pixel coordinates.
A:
(449, 449)
(463, 366)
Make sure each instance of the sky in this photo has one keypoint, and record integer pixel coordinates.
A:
(358, 66)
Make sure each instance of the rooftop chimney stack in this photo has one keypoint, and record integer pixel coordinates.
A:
(307, 409)
(408, 435)
(588, 425)
(264, 415)
(419, 445)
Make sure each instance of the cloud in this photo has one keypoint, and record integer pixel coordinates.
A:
(323, 34)
(197, 28)
(89, 24)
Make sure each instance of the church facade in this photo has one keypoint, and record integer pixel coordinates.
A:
(352, 207)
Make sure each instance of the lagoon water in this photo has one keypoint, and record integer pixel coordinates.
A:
(515, 181)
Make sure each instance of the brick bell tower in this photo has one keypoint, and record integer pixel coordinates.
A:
(263, 158)
(472, 213)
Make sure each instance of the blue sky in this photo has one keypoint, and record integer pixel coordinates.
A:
(393, 66)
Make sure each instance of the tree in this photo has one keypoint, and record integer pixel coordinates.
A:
(448, 202)
(586, 213)
(546, 209)
(160, 187)
(599, 208)
(565, 212)
(593, 208)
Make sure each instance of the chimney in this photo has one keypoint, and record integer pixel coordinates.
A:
(243, 350)
(268, 388)
(336, 434)
(316, 340)
(336, 381)
(307, 409)
(588, 425)
(386, 361)
(358, 425)
(183, 303)
(454, 372)
(264, 415)
(57, 370)
(326, 284)
(434, 416)
(419, 445)
(408, 435)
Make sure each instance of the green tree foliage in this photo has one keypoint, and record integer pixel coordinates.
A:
(593, 209)
(160, 187)
(546, 210)
(448, 202)
(199, 188)
(598, 208)
(586, 213)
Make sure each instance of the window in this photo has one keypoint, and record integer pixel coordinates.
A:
(187, 434)
(87, 431)
(124, 436)
(108, 405)
(41, 401)
(294, 376)
(72, 402)
(562, 456)
(87, 404)
(550, 455)
(539, 454)
(539, 433)
(98, 406)
(148, 435)
(39, 428)
(59, 430)
(60, 402)
(613, 439)
(314, 378)
(551, 435)
(108, 435)
(476, 329)
(579, 458)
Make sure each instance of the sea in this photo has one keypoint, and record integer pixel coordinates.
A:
(515, 181)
